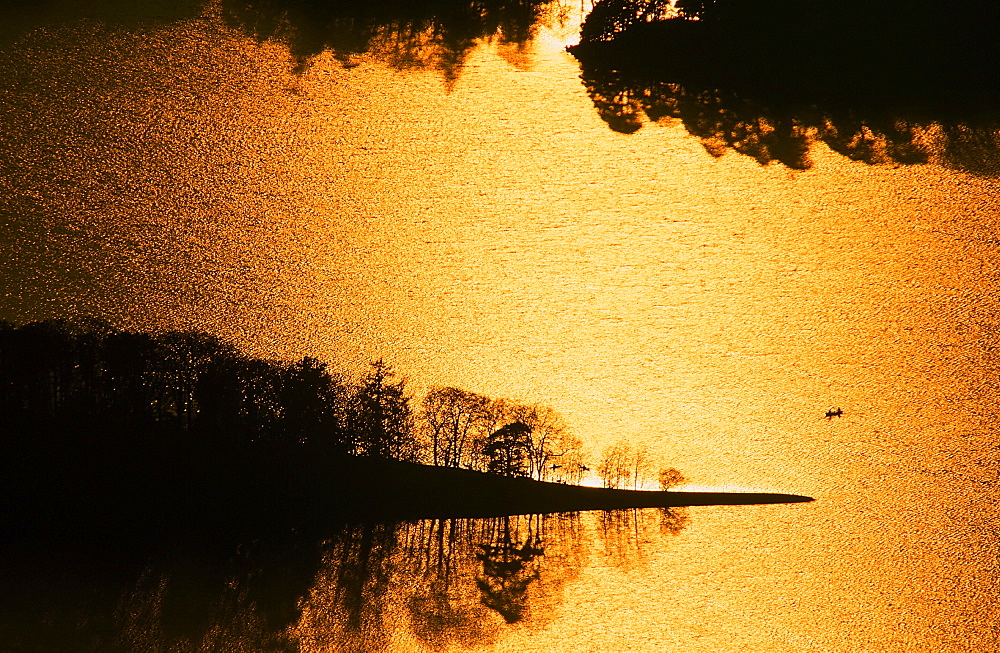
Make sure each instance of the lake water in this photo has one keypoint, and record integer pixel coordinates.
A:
(473, 220)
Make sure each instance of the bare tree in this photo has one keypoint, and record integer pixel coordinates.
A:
(640, 466)
(623, 465)
(615, 463)
(567, 460)
(452, 418)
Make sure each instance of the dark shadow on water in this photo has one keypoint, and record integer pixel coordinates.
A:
(449, 582)
(435, 34)
(882, 83)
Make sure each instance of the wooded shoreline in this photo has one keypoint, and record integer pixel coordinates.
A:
(151, 435)
(411, 491)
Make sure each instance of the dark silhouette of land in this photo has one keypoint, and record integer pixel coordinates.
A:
(104, 429)
(166, 492)
(400, 490)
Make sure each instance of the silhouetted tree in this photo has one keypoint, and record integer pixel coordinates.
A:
(670, 477)
(464, 429)
(312, 404)
(379, 418)
(549, 437)
(623, 464)
(614, 466)
(640, 465)
(120, 415)
(508, 450)
(455, 421)
(566, 461)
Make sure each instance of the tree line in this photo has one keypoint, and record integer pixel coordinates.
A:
(88, 388)
(74, 380)
(458, 428)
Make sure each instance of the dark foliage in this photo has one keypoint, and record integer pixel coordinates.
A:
(87, 375)
(437, 33)
(883, 82)
(140, 432)
(508, 449)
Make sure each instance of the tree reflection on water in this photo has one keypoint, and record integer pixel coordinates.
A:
(426, 585)
(772, 81)
(437, 34)
(628, 536)
(439, 582)
(786, 133)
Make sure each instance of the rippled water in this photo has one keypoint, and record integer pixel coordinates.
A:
(481, 226)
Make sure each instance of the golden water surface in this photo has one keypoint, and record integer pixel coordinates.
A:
(490, 232)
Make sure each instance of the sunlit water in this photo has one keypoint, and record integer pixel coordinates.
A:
(489, 231)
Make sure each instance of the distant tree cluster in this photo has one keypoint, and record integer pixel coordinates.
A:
(458, 428)
(623, 465)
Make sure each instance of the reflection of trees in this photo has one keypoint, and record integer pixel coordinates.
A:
(767, 80)
(608, 19)
(182, 593)
(673, 520)
(509, 567)
(786, 133)
(431, 33)
(378, 586)
(627, 535)
(444, 606)
(471, 574)
(435, 34)
(448, 582)
(346, 609)
(243, 604)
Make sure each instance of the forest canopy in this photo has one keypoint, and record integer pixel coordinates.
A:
(85, 386)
